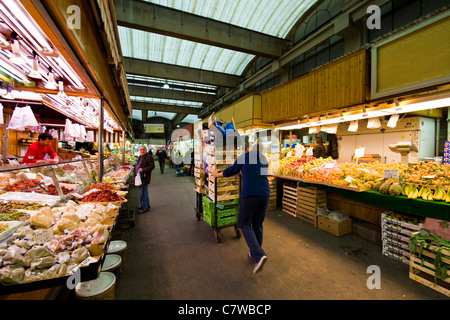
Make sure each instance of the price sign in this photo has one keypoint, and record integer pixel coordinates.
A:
(349, 179)
(359, 153)
(42, 236)
(390, 174)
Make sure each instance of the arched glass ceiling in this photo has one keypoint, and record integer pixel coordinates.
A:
(271, 17)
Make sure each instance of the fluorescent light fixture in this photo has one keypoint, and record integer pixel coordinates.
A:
(166, 86)
(65, 68)
(51, 84)
(392, 123)
(35, 74)
(426, 105)
(28, 25)
(16, 57)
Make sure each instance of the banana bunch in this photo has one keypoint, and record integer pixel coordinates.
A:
(425, 193)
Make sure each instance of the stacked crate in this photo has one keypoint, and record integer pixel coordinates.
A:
(396, 230)
(227, 212)
(273, 193)
(308, 200)
(199, 170)
(226, 188)
(289, 198)
(423, 262)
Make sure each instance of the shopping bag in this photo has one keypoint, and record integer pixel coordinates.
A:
(28, 118)
(137, 180)
(1, 114)
(15, 123)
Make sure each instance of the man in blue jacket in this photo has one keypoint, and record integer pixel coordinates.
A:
(254, 200)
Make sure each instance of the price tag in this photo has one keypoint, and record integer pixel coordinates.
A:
(329, 165)
(359, 153)
(42, 236)
(390, 174)
(349, 179)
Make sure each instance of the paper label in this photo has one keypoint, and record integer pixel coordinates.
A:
(359, 153)
(391, 174)
(42, 236)
(349, 179)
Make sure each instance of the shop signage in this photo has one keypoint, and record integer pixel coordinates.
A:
(153, 128)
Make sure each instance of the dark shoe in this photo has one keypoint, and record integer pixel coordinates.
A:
(260, 264)
(143, 210)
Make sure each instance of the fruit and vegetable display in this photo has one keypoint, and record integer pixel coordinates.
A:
(425, 180)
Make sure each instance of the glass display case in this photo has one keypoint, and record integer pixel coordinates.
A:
(48, 229)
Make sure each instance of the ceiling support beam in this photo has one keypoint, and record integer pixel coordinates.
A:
(160, 93)
(158, 19)
(177, 119)
(353, 10)
(169, 71)
(159, 107)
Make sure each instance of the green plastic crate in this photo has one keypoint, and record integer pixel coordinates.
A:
(224, 217)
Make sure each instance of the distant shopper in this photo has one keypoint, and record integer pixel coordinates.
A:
(144, 167)
(191, 168)
(319, 150)
(38, 150)
(332, 150)
(162, 155)
(254, 200)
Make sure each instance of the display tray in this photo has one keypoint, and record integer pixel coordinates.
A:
(355, 189)
(30, 197)
(89, 272)
(418, 206)
(12, 226)
(116, 203)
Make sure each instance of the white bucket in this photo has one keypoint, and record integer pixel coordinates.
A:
(101, 288)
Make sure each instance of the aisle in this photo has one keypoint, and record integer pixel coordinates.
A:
(171, 255)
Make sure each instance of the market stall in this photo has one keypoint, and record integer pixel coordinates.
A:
(49, 235)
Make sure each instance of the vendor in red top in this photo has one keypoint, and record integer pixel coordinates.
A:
(37, 151)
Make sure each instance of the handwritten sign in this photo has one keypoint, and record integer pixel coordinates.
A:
(42, 236)
(359, 153)
(391, 174)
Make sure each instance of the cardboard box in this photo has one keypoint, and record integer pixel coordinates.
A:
(335, 227)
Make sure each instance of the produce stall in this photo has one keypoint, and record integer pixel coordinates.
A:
(45, 238)
(419, 189)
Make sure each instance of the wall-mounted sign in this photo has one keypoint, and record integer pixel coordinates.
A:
(153, 128)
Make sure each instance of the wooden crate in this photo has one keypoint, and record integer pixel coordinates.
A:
(289, 199)
(308, 200)
(424, 272)
(273, 193)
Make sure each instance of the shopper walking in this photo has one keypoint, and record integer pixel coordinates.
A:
(162, 155)
(144, 167)
(254, 200)
(191, 167)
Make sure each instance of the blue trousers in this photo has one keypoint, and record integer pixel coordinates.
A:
(143, 196)
(252, 211)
